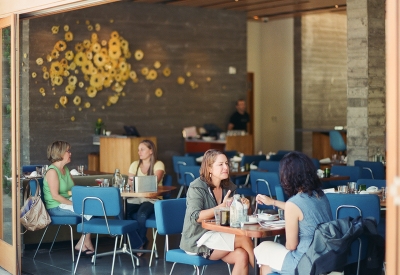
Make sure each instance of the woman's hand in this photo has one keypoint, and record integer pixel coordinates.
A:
(226, 198)
(245, 201)
(262, 199)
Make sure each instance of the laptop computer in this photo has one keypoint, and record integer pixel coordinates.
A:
(145, 184)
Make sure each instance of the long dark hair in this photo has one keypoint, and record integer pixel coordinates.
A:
(298, 174)
(153, 158)
(205, 168)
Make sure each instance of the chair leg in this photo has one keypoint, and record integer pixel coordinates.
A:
(95, 250)
(72, 242)
(54, 239)
(202, 269)
(359, 257)
(130, 252)
(229, 269)
(113, 261)
(172, 268)
(37, 249)
(180, 192)
(154, 247)
(80, 251)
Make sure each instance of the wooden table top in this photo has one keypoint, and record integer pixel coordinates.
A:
(250, 230)
(239, 173)
(160, 191)
(335, 177)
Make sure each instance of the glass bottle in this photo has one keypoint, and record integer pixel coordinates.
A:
(236, 211)
(117, 179)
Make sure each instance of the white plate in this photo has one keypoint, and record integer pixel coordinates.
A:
(375, 192)
(250, 222)
(267, 217)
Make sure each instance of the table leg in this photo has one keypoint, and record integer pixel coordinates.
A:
(256, 267)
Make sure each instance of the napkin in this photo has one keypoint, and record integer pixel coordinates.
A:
(325, 160)
(320, 173)
(253, 167)
(329, 190)
(74, 172)
(236, 159)
(33, 174)
(372, 189)
(217, 240)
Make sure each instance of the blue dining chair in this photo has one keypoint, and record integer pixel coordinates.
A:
(353, 205)
(269, 166)
(371, 169)
(264, 183)
(336, 141)
(280, 195)
(178, 161)
(195, 154)
(354, 172)
(30, 168)
(101, 203)
(230, 153)
(55, 220)
(169, 224)
(151, 221)
(189, 173)
(248, 159)
(316, 163)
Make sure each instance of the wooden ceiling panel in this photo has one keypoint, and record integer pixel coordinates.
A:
(257, 9)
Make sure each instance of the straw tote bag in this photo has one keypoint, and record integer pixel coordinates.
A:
(34, 215)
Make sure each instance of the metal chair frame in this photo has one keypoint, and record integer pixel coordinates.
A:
(359, 240)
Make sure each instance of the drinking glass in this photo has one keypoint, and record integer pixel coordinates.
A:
(106, 183)
(217, 215)
(352, 187)
(362, 187)
(80, 169)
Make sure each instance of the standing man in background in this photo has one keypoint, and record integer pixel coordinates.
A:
(240, 118)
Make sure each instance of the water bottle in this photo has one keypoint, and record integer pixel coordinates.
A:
(117, 179)
(236, 211)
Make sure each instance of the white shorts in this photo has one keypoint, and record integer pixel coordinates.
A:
(271, 254)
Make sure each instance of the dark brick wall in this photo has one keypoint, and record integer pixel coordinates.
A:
(202, 42)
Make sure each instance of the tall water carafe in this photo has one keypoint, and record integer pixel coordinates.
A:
(236, 211)
(118, 180)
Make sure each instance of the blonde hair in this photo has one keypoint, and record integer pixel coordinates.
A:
(208, 160)
(56, 150)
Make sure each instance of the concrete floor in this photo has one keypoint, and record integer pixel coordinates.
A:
(59, 261)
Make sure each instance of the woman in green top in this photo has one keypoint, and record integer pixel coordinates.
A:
(56, 185)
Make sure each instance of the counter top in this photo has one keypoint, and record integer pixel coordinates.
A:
(206, 141)
(320, 130)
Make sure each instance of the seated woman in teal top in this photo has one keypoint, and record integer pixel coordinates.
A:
(56, 184)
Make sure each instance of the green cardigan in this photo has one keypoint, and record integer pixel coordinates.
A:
(198, 198)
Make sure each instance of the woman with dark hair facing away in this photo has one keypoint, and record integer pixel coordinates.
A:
(57, 182)
(206, 193)
(141, 208)
(306, 207)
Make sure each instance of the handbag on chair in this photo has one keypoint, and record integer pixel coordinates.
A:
(34, 215)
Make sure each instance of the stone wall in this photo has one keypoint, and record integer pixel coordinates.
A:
(320, 75)
(366, 79)
(197, 44)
